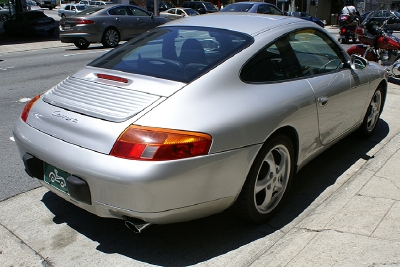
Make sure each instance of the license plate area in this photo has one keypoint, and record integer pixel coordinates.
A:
(55, 177)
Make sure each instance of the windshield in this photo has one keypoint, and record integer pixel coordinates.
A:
(175, 53)
(209, 6)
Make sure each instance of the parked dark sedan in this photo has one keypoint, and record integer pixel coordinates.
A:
(253, 7)
(107, 25)
(29, 23)
(306, 16)
(382, 15)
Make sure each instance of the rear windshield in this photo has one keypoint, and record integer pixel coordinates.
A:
(237, 8)
(175, 53)
(90, 10)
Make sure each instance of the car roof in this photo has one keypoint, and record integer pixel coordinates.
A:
(250, 23)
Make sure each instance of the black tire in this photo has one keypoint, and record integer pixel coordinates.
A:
(268, 181)
(110, 38)
(374, 110)
(82, 44)
(63, 16)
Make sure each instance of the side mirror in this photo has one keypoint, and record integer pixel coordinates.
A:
(358, 62)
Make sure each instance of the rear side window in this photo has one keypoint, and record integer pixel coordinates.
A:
(175, 53)
(299, 54)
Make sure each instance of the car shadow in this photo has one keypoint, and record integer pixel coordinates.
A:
(203, 239)
(6, 39)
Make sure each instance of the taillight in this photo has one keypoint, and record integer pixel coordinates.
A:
(27, 108)
(343, 30)
(147, 143)
(112, 78)
(83, 21)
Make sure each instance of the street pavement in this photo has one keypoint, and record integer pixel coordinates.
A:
(353, 221)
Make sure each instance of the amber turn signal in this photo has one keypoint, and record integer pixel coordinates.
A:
(27, 108)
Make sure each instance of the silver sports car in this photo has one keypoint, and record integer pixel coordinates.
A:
(107, 25)
(198, 115)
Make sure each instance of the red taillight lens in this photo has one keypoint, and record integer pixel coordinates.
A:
(83, 21)
(343, 30)
(146, 143)
(27, 108)
(112, 78)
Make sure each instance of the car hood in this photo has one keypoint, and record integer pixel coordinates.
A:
(92, 112)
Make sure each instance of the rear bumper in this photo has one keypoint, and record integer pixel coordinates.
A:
(74, 37)
(156, 192)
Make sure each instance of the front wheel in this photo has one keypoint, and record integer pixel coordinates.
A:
(374, 110)
(110, 38)
(268, 181)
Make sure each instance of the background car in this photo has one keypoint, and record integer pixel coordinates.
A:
(253, 7)
(46, 4)
(381, 15)
(199, 115)
(178, 12)
(29, 23)
(364, 15)
(162, 5)
(306, 16)
(99, 3)
(32, 5)
(71, 9)
(201, 7)
(107, 25)
(84, 2)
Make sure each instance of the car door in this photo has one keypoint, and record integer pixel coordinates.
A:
(340, 91)
(126, 23)
(142, 20)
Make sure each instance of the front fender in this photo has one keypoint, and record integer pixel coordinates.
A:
(360, 50)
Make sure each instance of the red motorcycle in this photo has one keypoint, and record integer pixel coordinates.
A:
(380, 45)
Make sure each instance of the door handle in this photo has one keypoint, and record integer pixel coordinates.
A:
(322, 101)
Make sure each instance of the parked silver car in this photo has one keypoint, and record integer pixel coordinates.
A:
(198, 115)
(178, 13)
(71, 9)
(107, 25)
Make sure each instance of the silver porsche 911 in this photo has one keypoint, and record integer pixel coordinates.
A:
(198, 115)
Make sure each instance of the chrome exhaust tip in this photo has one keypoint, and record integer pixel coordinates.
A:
(136, 226)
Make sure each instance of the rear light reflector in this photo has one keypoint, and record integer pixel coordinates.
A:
(83, 21)
(112, 78)
(147, 143)
(27, 108)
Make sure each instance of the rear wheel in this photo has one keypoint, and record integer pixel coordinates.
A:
(63, 16)
(371, 118)
(268, 181)
(82, 44)
(110, 38)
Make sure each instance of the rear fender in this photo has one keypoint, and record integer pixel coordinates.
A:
(360, 50)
